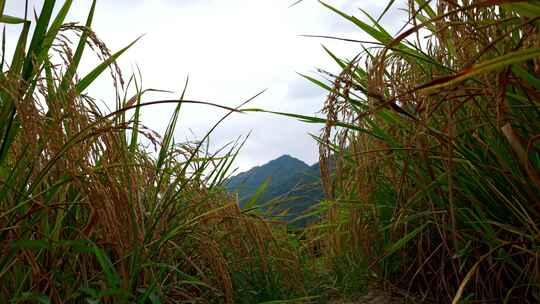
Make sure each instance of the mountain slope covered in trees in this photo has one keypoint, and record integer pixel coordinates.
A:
(292, 187)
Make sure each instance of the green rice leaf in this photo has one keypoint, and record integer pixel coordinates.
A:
(38, 38)
(394, 247)
(315, 120)
(89, 79)
(18, 57)
(523, 74)
(424, 5)
(11, 20)
(112, 277)
(317, 82)
(33, 298)
(70, 72)
(255, 198)
(31, 244)
(484, 67)
(3, 56)
(340, 62)
(386, 9)
(529, 9)
(53, 31)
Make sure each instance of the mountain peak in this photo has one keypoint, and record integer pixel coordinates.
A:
(287, 158)
(290, 180)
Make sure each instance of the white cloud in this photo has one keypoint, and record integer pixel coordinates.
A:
(231, 49)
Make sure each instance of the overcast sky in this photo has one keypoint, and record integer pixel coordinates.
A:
(231, 50)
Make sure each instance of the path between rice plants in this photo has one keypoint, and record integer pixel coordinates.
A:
(373, 297)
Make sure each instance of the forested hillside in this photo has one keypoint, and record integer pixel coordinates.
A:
(286, 186)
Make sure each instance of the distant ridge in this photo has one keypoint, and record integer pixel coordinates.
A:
(291, 181)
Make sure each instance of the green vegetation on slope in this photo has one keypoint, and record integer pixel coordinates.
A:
(290, 188)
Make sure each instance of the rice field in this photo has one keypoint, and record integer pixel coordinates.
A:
(429, 161)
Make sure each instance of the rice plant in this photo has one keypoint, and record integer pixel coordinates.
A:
(430, 155)
(88, 214)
